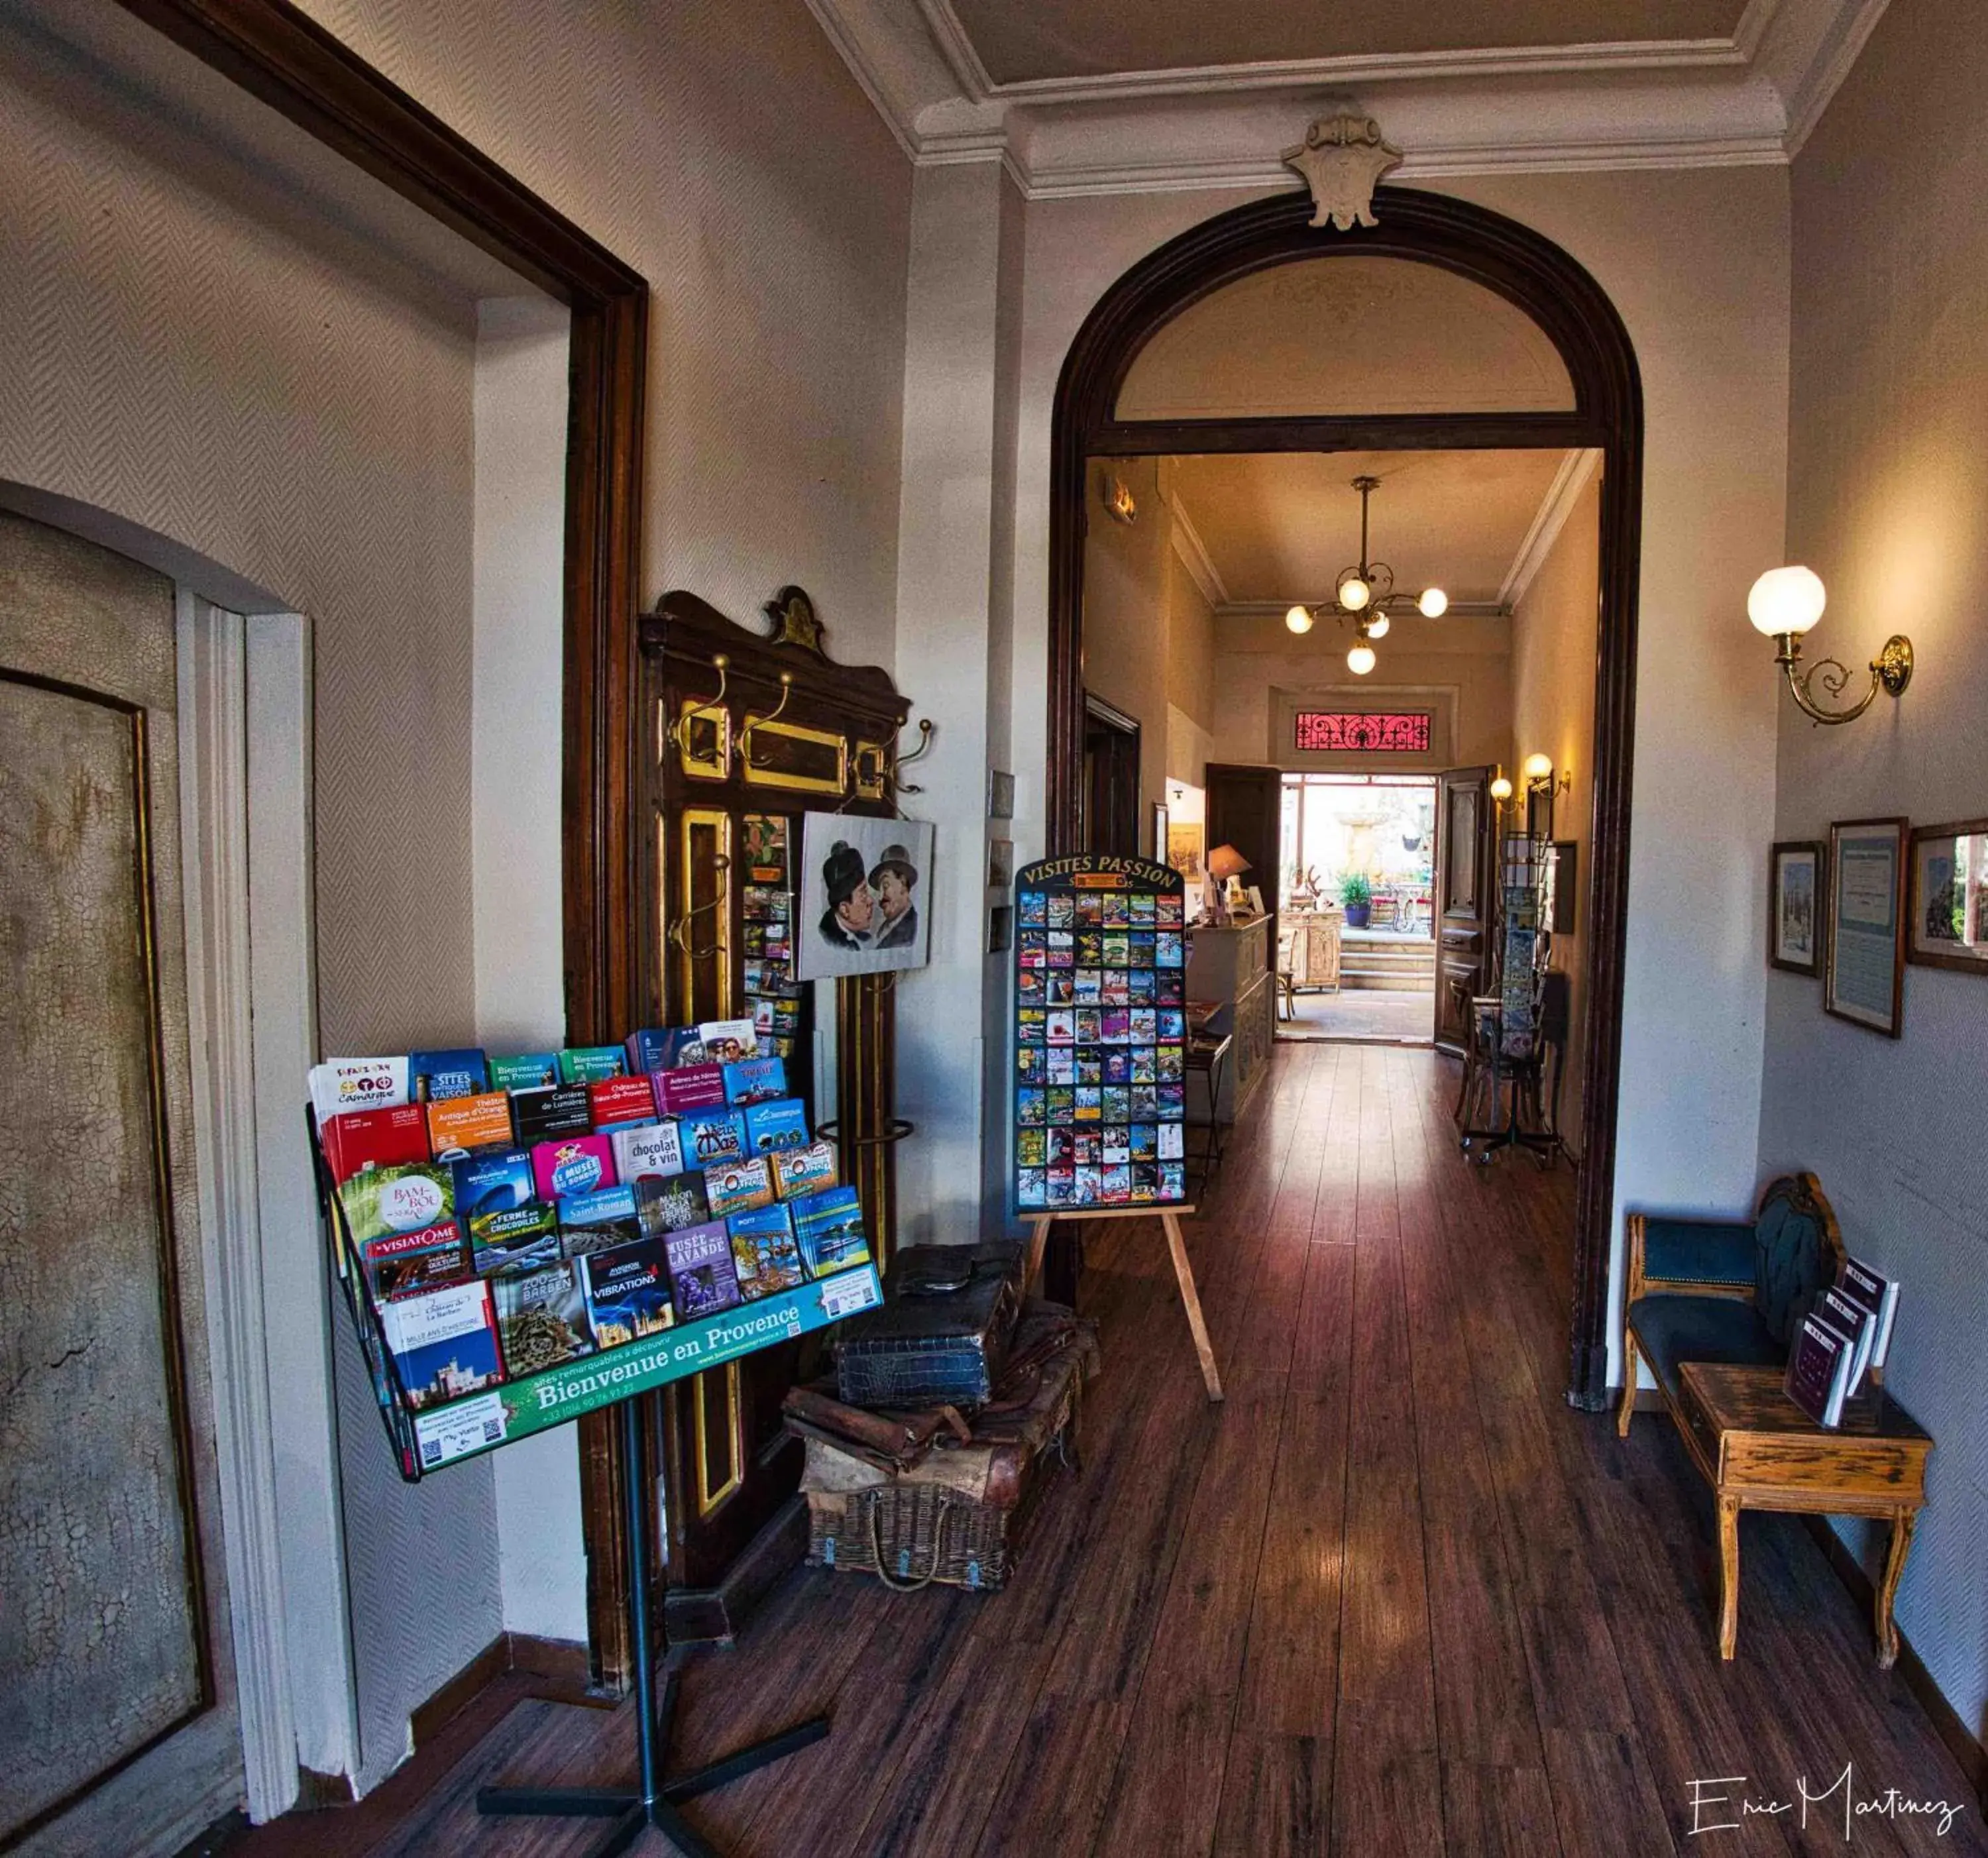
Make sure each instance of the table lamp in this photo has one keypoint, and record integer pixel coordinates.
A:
(1224, 865)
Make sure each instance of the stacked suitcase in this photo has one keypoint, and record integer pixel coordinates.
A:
(954, 1406)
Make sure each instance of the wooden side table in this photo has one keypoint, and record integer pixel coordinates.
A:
(1759, 1451)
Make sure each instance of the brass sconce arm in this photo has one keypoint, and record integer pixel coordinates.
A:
(1891, 671)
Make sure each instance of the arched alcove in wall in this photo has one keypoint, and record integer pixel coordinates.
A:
(1114, 398)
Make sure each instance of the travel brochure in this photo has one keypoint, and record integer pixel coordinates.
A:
(513, 1214)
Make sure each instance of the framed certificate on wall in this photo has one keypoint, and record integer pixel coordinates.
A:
(1864, 978)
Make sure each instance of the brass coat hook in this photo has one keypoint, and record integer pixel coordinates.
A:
(679, 732)
(680, 929)
(760, 722)
(904, 761)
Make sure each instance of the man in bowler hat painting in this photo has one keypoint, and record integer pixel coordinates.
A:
(848, 921)
(891, 878)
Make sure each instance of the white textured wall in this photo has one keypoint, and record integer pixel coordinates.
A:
(1887, 489)
(722, 148)
(187, 350)
(1696, 263)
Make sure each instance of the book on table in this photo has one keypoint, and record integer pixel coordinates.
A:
(1818, 1374)
(1879, 1294)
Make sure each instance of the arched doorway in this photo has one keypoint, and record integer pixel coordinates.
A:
(1571, 310)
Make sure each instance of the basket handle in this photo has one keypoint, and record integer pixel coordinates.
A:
(913, 1585)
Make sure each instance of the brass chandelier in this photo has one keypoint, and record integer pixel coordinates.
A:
(1363, 595)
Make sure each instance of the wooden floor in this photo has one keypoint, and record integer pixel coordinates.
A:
(1393, 1597)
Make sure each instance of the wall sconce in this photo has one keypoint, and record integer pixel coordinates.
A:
(1538, 769)
(1785, 605)
(1501, 790)
(1117, 495)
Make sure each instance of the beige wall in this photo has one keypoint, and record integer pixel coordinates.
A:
(1553, 713)
(1887, 489)
(1465, 664)
(1150, 634)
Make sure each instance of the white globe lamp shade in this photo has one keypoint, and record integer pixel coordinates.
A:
(1355, 593)
(1538, 767)
(1786, 600)
(1434, 602)
(1501, 788)
(1377, 627)
(1360, 660)
(1299, 619)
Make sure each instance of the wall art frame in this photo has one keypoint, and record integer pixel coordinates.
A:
(1797, 924)
(1947, 917)
(1864, 969)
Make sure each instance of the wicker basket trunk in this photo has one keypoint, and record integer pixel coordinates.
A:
(959, 1516)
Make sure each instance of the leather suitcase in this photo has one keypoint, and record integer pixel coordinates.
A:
(962, 1513)
(942, 1333)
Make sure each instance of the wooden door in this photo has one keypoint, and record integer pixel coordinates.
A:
(1466, 872)
(118, 1724)
(1246, 808)
(793, 733)
(1111, 780)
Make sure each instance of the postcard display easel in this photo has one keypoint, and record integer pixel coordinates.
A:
(1101, 1056)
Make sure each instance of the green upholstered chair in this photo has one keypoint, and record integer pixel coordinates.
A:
(1728, 1291)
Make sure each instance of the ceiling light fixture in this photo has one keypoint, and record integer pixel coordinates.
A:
(1364, 593)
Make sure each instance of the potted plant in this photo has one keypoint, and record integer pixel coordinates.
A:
(1358, 895)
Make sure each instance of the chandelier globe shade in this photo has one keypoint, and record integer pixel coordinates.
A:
(1377, 627)
(1434, 603)
(1299, 620)
(1360, 660)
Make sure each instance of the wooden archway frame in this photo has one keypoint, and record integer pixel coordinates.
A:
(289, 61)
(1559, 296)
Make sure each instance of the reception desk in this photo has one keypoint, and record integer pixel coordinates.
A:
(1230, 966)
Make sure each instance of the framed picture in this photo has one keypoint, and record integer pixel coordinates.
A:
(1000, 794)
(1864, 964)
(1000, 928)
(1000, 863)
(1949, 917)
(1183, 849)
(863, 884)
(1794, 906)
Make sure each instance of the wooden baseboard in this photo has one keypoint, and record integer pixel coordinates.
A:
(316, 1791)
(1649, 1399)
(557, 1668)
(702, 1616)
(1961, 1742)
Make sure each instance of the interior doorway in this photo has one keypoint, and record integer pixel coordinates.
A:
(1555, 371)
(1357, 931)
(1111, 779)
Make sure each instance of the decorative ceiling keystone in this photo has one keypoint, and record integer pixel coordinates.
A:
(1341, 159)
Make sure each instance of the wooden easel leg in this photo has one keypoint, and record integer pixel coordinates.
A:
(1039, 1239)
(1190, 1301)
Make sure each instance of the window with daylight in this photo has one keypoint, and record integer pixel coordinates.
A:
(1376, 732)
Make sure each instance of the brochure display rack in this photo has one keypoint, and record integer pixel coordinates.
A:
(427, 1436)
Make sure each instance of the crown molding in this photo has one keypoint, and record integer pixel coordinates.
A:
(1749, 100)
(1577, 471)
(1194, 557)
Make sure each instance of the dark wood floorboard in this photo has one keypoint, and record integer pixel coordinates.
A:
(1393, 1597)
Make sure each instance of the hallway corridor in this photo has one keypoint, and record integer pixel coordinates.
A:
(1393, 1597)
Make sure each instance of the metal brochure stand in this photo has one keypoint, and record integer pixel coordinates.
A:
(425, 1440)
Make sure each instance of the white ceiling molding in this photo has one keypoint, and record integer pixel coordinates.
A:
(1577, 471)
(1194, 557)
(1807, 53)
(1749, 100)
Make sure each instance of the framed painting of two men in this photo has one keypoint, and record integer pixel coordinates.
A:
(865, 891)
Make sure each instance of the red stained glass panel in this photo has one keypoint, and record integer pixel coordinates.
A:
(1367, 731)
